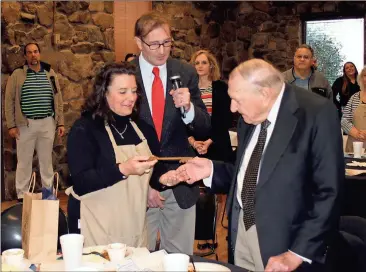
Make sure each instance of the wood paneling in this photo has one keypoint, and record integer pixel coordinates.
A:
(125, 15)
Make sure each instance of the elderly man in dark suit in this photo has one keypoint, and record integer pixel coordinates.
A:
(284, 190)
(171, 211)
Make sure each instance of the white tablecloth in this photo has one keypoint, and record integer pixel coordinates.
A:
(135, 258)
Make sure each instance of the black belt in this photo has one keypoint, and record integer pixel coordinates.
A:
(38, 117)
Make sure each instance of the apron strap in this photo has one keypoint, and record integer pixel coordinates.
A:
(109, 131)
(138, 131)
(70, 191)
(32, 182)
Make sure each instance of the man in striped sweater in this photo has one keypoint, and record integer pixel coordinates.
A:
(33, 111)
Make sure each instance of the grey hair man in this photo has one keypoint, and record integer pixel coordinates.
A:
(283, 191)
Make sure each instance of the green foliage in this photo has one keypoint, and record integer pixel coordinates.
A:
(327, 51)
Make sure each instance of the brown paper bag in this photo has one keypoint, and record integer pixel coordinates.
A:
(39, 225)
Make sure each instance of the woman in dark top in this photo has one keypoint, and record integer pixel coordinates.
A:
(109, 163)
(345, 86)
(215, 96)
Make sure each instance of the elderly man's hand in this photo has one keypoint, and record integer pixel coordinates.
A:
(154, 199)
(284, 262)
(194, 170)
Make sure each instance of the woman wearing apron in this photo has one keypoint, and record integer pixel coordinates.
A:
(108, 161)
(354, 115)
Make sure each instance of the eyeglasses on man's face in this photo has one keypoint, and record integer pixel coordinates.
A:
(156, 45)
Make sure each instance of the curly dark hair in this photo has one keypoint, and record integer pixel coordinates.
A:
(96, 103)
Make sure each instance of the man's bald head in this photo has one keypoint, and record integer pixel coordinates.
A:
(260, 73)
(253, 88)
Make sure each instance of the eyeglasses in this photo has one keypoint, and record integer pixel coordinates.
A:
(156, 45)
(305, 57)
(201, 62)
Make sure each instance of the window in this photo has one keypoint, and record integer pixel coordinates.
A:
(336, 42)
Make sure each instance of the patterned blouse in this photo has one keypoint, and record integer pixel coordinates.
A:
(206, 95)
(348, 111)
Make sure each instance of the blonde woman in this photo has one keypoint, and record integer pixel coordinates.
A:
(354, 115)
(214, 95)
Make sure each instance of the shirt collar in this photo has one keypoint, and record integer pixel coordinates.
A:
(30, 70)
(272, 116)
(298, 77)
(146, 66)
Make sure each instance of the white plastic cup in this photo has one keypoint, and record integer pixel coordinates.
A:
(117, 252)
(14, 256)
(357, 149)
(72, 250)
(176, 262)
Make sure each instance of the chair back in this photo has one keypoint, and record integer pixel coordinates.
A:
(348, 252)
(11, 227)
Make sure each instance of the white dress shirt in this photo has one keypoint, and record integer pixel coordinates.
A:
(272, 117)
(148, 79)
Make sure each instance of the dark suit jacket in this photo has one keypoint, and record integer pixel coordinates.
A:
(174, 139)
(297, 195)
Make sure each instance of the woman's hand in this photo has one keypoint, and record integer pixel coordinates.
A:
(204, 147)
(359, 135)
(363, 134)
(197, 145)
(137, 165)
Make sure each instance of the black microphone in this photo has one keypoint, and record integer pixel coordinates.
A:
(53, 84)
(177, 83)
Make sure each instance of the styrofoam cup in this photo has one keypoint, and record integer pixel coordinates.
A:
(176, 262)
(357, 149)
(13, 256)
(72, 250)
(116, 252)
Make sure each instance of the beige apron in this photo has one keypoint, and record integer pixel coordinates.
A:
(359, 121)
(117, 213)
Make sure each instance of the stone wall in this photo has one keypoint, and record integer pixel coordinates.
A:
(76, 38)
(236, 31)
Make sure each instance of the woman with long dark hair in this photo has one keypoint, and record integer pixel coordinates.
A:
(108, 158)
(345, 86)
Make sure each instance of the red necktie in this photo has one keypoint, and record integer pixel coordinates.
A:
(158, 102)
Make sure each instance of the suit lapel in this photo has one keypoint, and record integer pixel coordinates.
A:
(144, 108)
(244, 141)
(169, 111)
(244, 133)
(281, 136)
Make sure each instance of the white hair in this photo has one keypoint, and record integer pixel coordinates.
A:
(360, 78)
